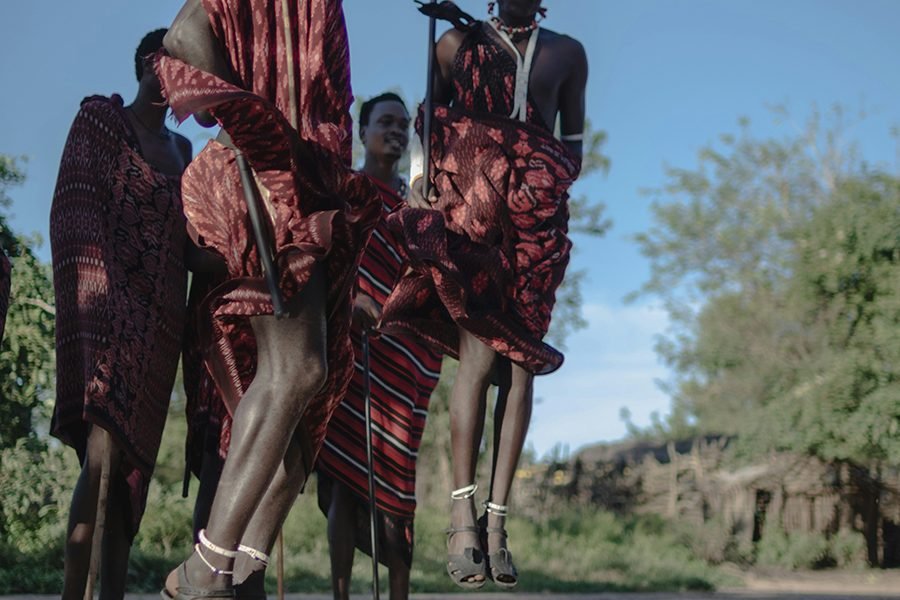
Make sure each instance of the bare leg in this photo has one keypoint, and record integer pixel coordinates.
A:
(467, 409)
(398, 571)
(267, 521)
(341, 538)
(512, 416)
(83, 514)
(116, 545)
(210, 471)
(291, 368)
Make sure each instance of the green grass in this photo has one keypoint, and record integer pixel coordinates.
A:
(578, 551)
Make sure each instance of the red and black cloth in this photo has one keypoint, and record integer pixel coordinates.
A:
(117, 235)
(491, 256)
(321, 211)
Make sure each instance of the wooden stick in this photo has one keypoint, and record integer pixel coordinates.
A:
(99, 516)
(370, 460)
(281, 564)
(429, 111)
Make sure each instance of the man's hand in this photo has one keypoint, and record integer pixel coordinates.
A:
(415, 198)
(366, 312)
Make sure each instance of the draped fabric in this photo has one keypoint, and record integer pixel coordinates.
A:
(491, 256)
(404, 372)
(320, 211)
(117, 235)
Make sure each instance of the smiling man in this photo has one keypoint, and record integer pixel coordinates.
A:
(404, 372)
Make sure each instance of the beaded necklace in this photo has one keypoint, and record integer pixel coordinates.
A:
(498, 24)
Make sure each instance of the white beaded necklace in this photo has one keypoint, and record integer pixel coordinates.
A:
(523, 71)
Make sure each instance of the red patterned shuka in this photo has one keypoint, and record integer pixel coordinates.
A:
(492, 255)
(117, 235)
(320, 210)
(404, 372)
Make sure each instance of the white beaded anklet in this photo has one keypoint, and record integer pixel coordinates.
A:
(216, 549)
(255, 554)
(464, 493)
(501, 510)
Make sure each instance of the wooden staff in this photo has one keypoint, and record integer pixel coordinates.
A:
(370, 460)
(429, 109)
(264, 244)
(99, 516)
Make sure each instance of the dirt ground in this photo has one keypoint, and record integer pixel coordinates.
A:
(871, 582)
(762, 585)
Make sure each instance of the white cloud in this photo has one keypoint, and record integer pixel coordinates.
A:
(609, 365)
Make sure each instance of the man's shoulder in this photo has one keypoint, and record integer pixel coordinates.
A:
(100, 109)
(561, 40)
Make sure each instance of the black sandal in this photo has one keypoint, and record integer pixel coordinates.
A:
(184, 590)
(501, 569)
(463, 568)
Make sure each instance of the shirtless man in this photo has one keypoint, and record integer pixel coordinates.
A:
(485, 264)
(287, 114)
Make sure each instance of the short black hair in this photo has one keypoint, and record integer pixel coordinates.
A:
(152, 42)
(365, 111)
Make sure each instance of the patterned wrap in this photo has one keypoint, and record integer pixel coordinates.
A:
(491, 256)
(320, 210)
(117, 235)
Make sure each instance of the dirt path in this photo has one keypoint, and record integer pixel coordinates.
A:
(813, 585)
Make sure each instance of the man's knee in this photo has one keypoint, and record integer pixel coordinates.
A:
(307, 376)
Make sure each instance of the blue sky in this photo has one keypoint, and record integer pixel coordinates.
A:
(666, 77)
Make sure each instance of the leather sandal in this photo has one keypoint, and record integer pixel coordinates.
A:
(500, 565)
(185, 591)
(463, 568)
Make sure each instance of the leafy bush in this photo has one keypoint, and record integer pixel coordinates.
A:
(793, 551)
(36, 485)
(848, 548)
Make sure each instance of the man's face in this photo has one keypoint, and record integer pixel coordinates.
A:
(520, 9)
(150, 82)
(387, 134)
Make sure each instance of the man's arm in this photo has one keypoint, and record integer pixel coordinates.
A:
(571, 99)
(445, 54)
(191, 39)
(442, 93)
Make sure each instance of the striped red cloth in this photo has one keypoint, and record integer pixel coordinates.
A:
(117, 235)
(404, 372)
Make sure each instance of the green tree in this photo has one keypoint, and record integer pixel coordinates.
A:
(776, 260)
(845, 403)
(27, 349)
